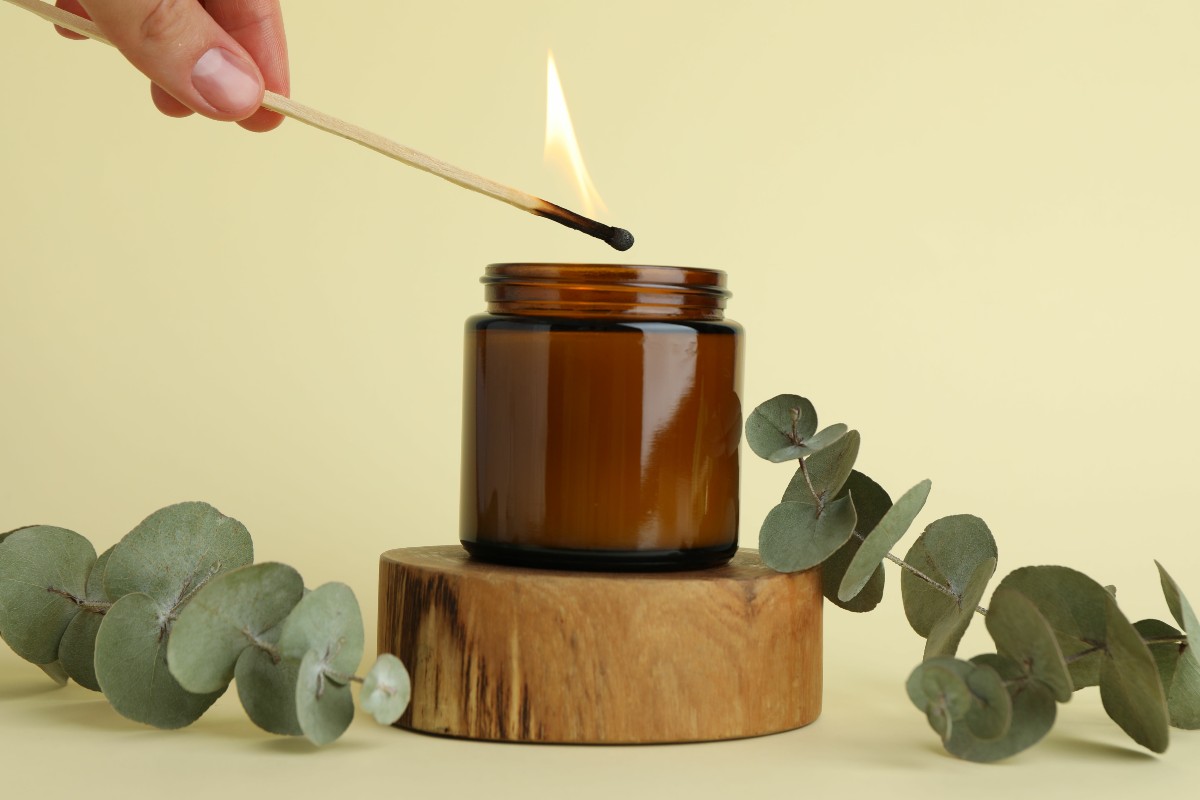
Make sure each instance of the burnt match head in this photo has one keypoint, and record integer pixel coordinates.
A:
(619, 239)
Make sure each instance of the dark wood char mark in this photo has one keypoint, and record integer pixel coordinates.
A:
(409, 598)
(617, 238)
(414, 597)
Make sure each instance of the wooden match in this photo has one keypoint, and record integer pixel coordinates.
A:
(618, 238)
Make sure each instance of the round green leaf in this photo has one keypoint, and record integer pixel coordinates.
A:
(871, 502)
(948, 631)
(1032, 715)
(779, 424)
(324, 708)
(1179, 672)
(948, 551)
(1130, 688)
(1074, 605)
(880, 540)
(232, 612)
(991, 710)
(43, 578)
(131, 666)
(793, 538)
(7, 534)
(386, 690)
(828, 470)
(328, 621)
(174, 552)
(77, 650)
(267, 688)
(1023, 634)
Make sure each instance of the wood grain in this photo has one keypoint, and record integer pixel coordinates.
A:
(526, 655)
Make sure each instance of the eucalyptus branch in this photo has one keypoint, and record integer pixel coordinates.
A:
(1007, 698)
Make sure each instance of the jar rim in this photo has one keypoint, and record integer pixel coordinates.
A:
(691, 279)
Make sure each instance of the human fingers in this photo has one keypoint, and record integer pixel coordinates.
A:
(258, 26)
(184, 51)
(76, 9)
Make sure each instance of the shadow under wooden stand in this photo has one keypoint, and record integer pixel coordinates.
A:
(531, 655)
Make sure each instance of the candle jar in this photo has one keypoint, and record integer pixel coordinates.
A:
(601, 418)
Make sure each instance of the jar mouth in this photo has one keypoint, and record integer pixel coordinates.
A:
(621, 290)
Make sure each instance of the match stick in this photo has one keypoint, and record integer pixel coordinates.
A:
(618, 238)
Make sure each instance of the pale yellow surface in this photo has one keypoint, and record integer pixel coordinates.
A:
(969, 229)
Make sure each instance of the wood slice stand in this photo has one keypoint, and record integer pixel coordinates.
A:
(532, 655)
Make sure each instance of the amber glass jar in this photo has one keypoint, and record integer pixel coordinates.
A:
(601, 418)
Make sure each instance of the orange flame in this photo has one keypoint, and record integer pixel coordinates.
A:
(561, 145)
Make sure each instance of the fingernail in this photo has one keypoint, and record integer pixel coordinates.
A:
(226, 81)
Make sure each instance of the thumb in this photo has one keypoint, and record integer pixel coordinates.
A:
(178, 46)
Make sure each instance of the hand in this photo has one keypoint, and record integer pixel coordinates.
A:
(213, 57)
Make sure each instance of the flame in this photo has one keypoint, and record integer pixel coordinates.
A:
(561, 145)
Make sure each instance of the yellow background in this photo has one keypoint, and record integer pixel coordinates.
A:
(968, 229)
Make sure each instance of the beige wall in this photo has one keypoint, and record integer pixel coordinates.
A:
(967, 228)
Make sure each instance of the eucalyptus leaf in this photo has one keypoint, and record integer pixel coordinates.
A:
(328, 621)
(1023, 634)
(131, 666)
(1179, 672)
(1074, 605)
(963, 701)
(1130, 688)
(991, 712)
(77, 650)
(880, 540)
(324, 708)
(7, 534)
(232, 612)
(43, 578)
(948, 631)
(267, 688)
(55, 672)
(175, 551)
(948, 551)
(1032, 715)
(779, 424)
(1181, 609)
(938, 687)
(871, 502)
(828, 470)
(386, 690)
(794, 538)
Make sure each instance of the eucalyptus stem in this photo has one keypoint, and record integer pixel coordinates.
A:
(946, 590)
(812, 489)
(91, 606)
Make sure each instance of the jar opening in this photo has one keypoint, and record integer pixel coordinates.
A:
(622, 290)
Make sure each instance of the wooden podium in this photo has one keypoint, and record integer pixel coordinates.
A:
(531, 655)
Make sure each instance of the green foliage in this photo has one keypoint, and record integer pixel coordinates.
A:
(164, 620)
(871, 502)
(1055, 629)
(1130, 687)
(796, 536)
(1022, 634)
(881, 539)
(131, 666)
(947, 555)
(43, 576)
(386, 689)
(785, 429)
(233, 612)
